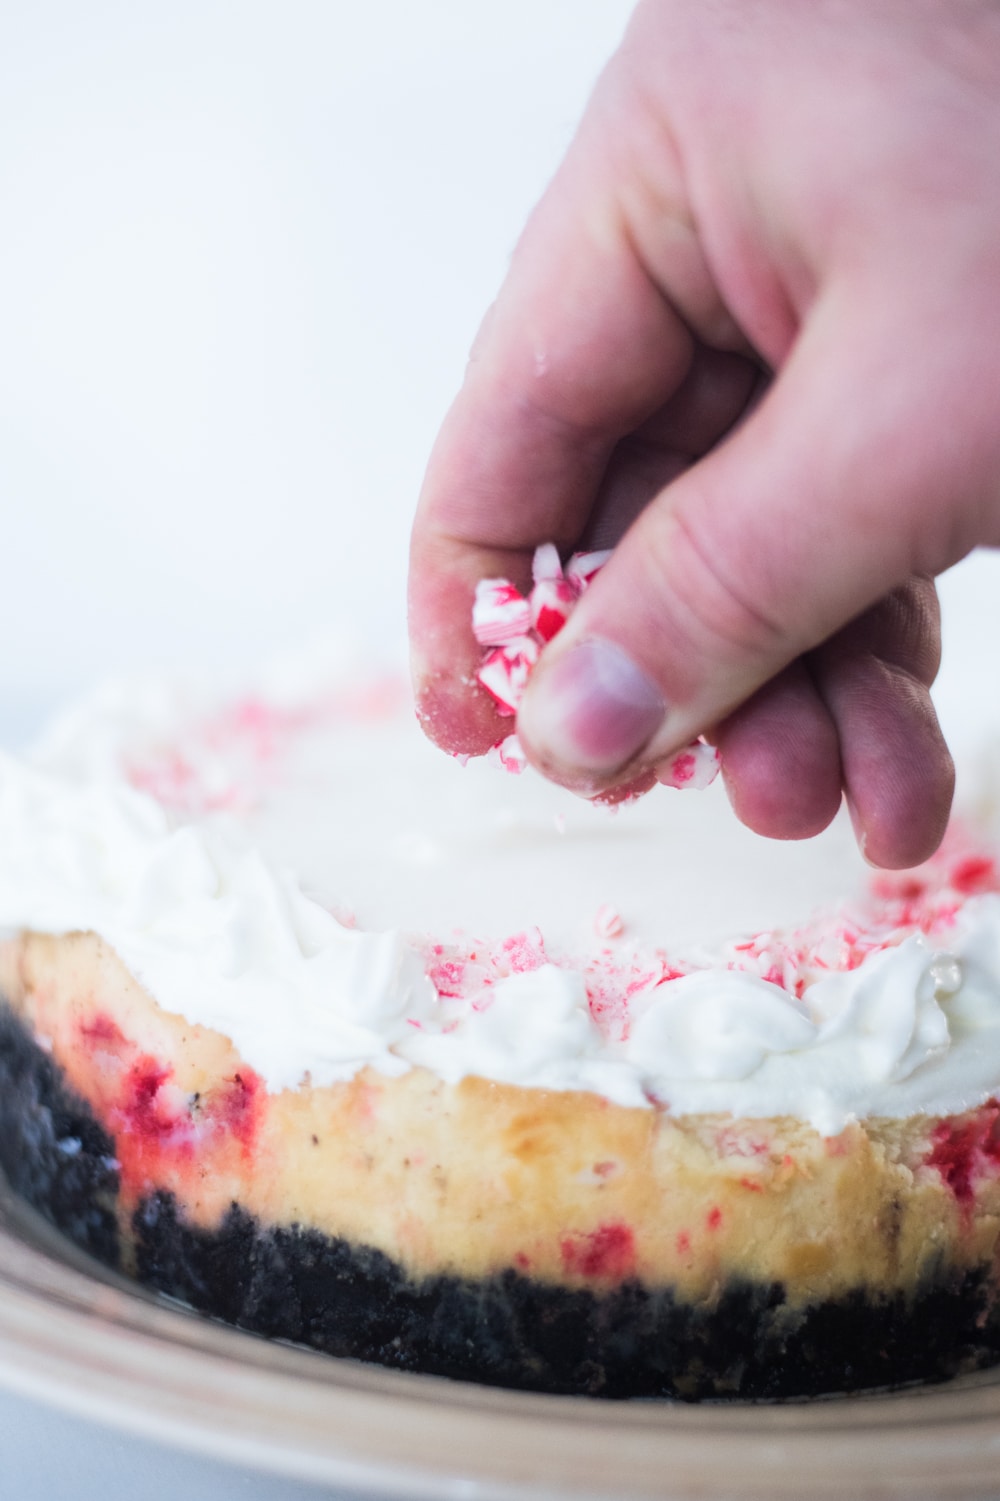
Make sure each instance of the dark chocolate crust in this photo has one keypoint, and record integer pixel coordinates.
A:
(507, 1330)
(53, 1151)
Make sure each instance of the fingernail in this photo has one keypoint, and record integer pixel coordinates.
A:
(592, 710)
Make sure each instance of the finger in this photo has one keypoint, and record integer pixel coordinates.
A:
(810, 511)
(456, 713)
(453, 709)
(580, 348)
(714, 394)
(875, 679)
(716, 391)
(781, 758)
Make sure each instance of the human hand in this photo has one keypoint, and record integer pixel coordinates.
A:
(808, 191)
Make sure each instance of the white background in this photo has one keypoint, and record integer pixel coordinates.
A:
(243, 250)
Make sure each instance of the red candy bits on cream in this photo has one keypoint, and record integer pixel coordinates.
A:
(516, 629)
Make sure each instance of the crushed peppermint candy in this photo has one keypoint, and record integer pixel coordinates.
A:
(551, 603)
(897, 905)
(608, 922)
(545, 565)
(508, 754)
(584, 566)
(504, 674)
(500, 613)
(696, 766)
(515, 629)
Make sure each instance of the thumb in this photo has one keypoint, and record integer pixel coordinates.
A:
(822, 502)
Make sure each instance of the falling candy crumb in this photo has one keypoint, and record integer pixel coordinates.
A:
(608, 922)
(508, 755)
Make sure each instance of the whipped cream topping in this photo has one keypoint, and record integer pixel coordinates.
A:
(300, 871)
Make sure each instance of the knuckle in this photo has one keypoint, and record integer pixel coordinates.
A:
(903, 631)
(718, 597)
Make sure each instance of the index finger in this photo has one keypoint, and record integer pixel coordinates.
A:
(580, 347)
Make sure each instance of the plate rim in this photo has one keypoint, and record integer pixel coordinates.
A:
(82, 1338)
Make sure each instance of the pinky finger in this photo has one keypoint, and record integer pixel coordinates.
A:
(875, 677)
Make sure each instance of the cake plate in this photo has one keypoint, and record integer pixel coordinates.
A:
(79, 1337)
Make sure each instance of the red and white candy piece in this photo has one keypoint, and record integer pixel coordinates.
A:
(553, 596)
(508, 755)
(545, 565)
(583, 566)
(696, 766)
(500, 613)
(608, 922)
(516, 628)
(505, 672)
(551, 603)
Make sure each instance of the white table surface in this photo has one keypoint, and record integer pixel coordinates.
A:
(46, 1455)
